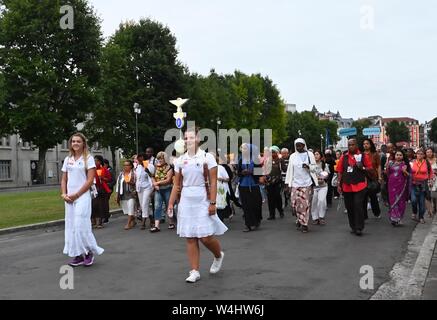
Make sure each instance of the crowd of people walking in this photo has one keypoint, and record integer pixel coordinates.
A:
(198, 192)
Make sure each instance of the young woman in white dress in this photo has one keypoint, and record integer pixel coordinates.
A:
(197, 215)
(78, 176)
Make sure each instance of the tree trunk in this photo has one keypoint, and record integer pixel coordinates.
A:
(41, 169)
(114, 161)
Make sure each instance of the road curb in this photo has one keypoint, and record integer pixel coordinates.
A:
(43, 225)
(408, 277)
(416, 283)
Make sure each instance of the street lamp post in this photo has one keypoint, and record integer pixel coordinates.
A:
(321, 143)
(218, 126)
(137, 111)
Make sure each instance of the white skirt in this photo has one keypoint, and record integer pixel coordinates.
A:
(193, 218)
(128, 206)
(79, 238)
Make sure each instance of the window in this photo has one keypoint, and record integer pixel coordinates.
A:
(5, 169)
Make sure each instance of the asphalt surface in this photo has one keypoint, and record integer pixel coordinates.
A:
(275, 262)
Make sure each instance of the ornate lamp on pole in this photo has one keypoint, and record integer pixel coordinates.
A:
(321, 143)
(137, 111)
(219, 122)
(180, 116)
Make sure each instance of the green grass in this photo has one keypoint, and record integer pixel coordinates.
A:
(19, 209)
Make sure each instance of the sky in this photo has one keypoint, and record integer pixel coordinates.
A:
(359, 57)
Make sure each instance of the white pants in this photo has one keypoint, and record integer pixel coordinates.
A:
(318, 208)
(144, 197)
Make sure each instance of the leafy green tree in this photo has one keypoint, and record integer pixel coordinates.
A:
(240, 101)
(139, 66)
(360, 125)
(4, 121)
(310, 128)
(397, 132)
(50, 73)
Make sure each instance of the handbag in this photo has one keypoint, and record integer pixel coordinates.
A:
(373, 186)
(93, 189)
(237, 191)
(334, 181)
(94, 192)
(221, 196)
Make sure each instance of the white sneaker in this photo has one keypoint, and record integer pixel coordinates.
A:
(217, 264)
(193, 277)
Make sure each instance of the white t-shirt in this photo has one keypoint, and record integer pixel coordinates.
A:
(143, 179)
(76, 172)
(301, 177)
(192, 167)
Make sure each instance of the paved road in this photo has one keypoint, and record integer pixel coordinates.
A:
(275, 262)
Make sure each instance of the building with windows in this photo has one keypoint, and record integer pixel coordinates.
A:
(343, 123)
(425, 136)
(19, 159)
(413, 128)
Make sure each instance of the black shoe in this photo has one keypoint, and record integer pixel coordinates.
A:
(359, 233)
(298, 225)
(247, 229)
(353, 231)
(281, 215)
(271, 218)
(304, 229)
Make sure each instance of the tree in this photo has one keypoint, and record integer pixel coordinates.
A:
(397, 132)
(139, 65)
(240, 101)
(310, 128)
(50, 73)
(433, 132)
(4, 121)
(360, 125)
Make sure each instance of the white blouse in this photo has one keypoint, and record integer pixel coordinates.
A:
(76, 173)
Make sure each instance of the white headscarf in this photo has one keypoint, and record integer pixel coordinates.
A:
(300, 140)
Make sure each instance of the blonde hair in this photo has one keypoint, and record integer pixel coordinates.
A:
(85, 152)
(162, 155)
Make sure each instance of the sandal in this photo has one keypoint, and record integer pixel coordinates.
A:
(154, 230)
(171, 226)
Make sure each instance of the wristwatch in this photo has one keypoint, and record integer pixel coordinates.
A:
(212, 203)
